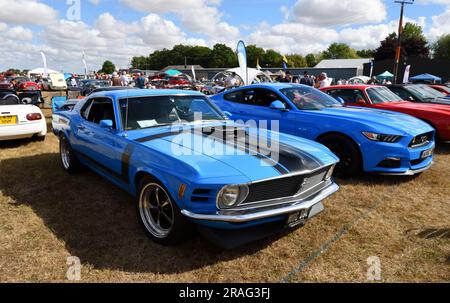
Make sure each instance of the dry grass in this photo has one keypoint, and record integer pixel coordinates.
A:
(47, 215)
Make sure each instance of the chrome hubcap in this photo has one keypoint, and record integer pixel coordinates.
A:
(156, 210)
(65, 155)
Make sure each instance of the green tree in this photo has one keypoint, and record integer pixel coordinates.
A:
(311, 60)
(296, 60)
(272, 59)
(222, 56)
(414, 43)
(340, 51)
(441, 48)
(254, 54)
(108, 67)
(366, 53)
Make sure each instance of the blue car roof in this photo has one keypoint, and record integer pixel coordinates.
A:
(130, 93)
(277, 86)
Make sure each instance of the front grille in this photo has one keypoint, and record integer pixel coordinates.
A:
(417, 162)
(421, 140)
(283, 187)
(201, 195)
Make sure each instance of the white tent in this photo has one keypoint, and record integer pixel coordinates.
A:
(41, 71)
(253, 74)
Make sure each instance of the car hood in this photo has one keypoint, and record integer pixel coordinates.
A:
(429, 107)
(382, 120)
(212, 151)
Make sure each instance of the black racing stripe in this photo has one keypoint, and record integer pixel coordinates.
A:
(126, 156)
(158, 136)
(253, 150)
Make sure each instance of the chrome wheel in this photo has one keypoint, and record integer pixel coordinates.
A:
(156, 210)
(65, 154)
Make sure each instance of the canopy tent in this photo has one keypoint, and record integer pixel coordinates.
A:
(385, 76)
(41, 71)
(426, 77)
(173, 72)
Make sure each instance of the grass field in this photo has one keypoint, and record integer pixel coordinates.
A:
(47, 215)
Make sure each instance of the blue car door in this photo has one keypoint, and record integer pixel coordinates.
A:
(101, 145)
(254, 104)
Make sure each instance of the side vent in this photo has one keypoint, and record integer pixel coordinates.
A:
(201, 195)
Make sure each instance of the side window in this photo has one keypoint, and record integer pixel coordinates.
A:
(237, 96)
(401, 93)
(348, 95)
(262, 97)
(101, 109)
(85, 110)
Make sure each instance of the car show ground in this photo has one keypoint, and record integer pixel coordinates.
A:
(47, 216)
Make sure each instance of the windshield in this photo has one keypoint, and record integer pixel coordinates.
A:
(382, 95)
(308, 98)
(148, 112)
(425, 92)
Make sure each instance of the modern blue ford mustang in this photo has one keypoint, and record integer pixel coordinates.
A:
(187, 163)
(364, 139)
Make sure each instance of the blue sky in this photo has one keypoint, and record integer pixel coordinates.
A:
(120, 29)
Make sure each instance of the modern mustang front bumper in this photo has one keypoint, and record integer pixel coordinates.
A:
(312, 203)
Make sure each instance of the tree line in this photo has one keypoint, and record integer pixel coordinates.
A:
(414, 44)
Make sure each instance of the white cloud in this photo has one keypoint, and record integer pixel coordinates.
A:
(337, 12)
(26, 12)
(199, 16)
(440, 25)
(95, 2)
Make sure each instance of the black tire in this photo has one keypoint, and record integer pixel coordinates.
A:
(163, 223)
(350, 160)
(68, 158)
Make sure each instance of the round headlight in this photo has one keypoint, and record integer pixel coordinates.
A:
(232, 195)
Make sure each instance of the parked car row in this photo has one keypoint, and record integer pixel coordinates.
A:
(144, 141)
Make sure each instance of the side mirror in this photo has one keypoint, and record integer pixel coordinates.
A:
(106, 124)
(410, 99)
(278, 105)
(361, 101)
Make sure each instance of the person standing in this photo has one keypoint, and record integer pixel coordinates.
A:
(116, 79)
(324, 81)
(124, 79)
(140, 81)
(306, 79)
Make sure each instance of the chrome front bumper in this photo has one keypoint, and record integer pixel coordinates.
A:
(239, 217)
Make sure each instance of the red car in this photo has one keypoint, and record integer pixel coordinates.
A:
(441, 88)
(24, 84)
(380, 97)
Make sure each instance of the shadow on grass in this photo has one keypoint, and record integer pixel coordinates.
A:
(15, 143)
(97, 221)
(443, 148)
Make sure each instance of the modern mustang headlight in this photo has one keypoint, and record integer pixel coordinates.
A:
(382, 137)
(329, 173)
(232, 195)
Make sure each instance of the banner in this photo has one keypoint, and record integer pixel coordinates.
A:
(85, 65)
(285, 62)
(44, 59)
(406, 75)
(242, 58)
(371, 69)
(194, 76)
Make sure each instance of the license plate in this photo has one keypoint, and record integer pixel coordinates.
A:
(298, 218)
(427, 153)
(8, 120)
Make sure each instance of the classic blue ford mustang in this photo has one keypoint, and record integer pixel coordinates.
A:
(364, 139)
(187, 163)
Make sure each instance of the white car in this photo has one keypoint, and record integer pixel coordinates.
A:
(20, 121)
